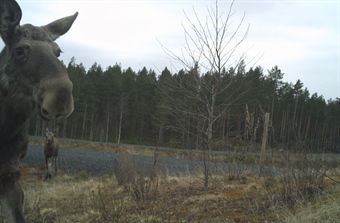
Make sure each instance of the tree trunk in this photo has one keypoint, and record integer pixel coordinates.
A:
(223, 133)
(91, 128)
(141, 133)
(160, 135)
(282, 126)
(264, 141)
(300, 130)
(307, 126)
(294, 124)
(107, 124)
(84, 121)
(207, 154)
(273, 100)
(120, 120)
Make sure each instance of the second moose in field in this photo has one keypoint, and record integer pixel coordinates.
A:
(51, 148)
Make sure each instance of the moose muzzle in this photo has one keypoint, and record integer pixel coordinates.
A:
(56, 99)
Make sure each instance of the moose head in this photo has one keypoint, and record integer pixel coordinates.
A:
(49, 136)
(31, 68)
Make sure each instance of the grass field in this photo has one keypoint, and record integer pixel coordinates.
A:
(309, 191)
(81, 198)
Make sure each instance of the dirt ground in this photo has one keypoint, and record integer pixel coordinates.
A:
(163, 200)
(229, 198)
(127, 196)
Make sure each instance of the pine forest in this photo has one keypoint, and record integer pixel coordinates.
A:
(192, 110)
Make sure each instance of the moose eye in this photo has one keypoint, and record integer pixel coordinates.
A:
(19, 51)
(58, 53)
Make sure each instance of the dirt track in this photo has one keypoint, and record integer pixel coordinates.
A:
(101, 163)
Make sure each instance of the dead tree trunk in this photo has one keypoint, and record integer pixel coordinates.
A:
(264, 141)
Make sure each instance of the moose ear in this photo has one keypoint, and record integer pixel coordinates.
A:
(60, 27)
(10, 16)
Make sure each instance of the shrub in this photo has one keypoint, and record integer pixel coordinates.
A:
(301, 180)
(136, 178)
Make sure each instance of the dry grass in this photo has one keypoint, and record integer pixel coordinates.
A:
(136, 196)
(178, 199)
(325, 213)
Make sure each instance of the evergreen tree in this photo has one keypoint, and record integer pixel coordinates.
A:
(191, 108)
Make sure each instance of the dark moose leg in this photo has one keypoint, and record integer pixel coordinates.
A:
(12, 198)
(48, 174)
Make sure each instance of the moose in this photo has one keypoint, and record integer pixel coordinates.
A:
(32, 80)
(51, 148)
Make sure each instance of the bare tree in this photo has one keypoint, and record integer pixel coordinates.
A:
(198, 97)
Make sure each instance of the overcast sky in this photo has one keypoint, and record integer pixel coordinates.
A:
(300, 37)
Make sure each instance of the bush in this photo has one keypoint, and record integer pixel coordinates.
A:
(136, 178)
(301, 180)
(110, 208)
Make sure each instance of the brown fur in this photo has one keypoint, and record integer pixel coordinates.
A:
(32, 79)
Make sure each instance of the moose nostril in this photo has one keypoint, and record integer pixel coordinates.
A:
(44, 112)
(58, 116)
